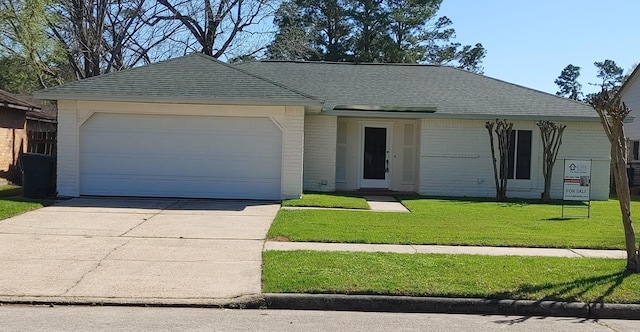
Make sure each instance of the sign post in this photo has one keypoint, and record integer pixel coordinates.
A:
(577, 183)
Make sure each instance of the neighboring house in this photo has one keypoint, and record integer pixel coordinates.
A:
(13, 134)
(22, 122)
(630, 93)
(197, 127)
(41, 127)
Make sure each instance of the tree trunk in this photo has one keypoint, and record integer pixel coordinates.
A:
(551, 136)
(624, 198)
(546, 194)
(503, 146)
(612, 112)
(489, 126)
(502, 128)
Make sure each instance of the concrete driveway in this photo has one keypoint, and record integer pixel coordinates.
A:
(154, 251)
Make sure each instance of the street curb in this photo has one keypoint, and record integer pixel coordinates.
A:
(374, 303)
(411, 304)
(243, 302)
(613, 311)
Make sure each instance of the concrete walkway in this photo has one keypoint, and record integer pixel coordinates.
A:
(433, 249)
(385, 204)
(376, 203)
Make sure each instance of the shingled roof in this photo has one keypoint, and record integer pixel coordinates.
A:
(452, 92)
(194, 79)
(337, 87)
(10, 100)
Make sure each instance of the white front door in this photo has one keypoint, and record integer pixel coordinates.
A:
(375, 147)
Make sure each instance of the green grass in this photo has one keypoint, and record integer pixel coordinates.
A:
(450, 221)
(496, 277)
(329, 200)
(11, 204)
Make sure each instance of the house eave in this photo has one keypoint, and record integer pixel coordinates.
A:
(181, 100)
(18, 107)
(437, 115)
(377, 114)
(519, 117)
(31, 118)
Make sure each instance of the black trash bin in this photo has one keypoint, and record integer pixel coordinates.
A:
(37, 175)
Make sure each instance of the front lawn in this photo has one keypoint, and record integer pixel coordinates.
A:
(11, 204)
(329, 200)
(496, 277)
(451, 221)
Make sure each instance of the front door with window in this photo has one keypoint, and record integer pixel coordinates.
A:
(375, 157)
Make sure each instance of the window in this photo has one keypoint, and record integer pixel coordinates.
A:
(636, 147)
(520, 155)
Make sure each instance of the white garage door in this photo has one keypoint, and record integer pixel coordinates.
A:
(180, 156)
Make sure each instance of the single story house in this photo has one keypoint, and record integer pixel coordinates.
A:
(197, 127)
(630, 94)
(21, 121)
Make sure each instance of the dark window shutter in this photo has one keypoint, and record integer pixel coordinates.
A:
(523, 164)
(511, 154)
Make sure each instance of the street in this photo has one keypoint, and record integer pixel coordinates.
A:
(98, 318)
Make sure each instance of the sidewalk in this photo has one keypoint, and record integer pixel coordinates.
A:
(435, 249)
(392, 303)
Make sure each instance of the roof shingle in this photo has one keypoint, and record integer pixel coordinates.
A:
(452, 91)
(194, 78)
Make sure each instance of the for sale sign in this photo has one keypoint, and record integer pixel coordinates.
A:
(577, 180)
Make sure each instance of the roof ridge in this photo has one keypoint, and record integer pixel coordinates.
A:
(235, 67)
(355, 63)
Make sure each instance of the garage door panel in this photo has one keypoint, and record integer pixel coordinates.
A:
(112, 143)
(174, 156)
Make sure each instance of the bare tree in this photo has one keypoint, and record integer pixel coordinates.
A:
(503, 130)
(215, 25)
(551, 135)
(102, 35)
(612, 112)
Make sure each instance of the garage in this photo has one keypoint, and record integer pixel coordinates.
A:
(191, 127)
(180, 156)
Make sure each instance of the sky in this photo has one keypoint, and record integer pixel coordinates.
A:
(529, 42)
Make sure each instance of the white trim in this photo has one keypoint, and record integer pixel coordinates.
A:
(364, 183)
(278, 124)
(83, 118)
